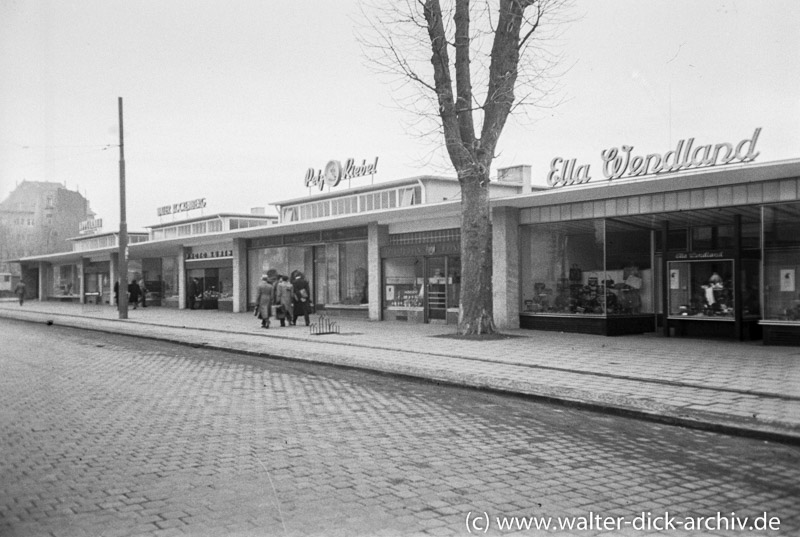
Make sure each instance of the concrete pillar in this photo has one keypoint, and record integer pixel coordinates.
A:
(113, 270)
(43, 281)
(239, 275)
(82, 280)
(505, 267)
(182, 278)
(377, 236)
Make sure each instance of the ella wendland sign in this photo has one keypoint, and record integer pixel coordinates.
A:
(334, 172)
(618, 162)
(181, 207)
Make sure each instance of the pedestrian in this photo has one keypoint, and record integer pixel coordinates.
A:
(283, 298)
(264, 301)
(302, 298)
(133, 294)
(20, 291)
(143, 291)
(192, 294)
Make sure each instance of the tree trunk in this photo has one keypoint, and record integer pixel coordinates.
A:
(475, 313)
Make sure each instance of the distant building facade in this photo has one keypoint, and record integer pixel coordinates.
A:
(38, 218)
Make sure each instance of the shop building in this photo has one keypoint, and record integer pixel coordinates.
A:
(85, 275)
(706, 251)
(387, 251)
(190, 263)
(709, 247)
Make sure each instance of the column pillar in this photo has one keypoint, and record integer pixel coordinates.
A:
(505, 267)
(377, 236)
(239, 275)
(82, 280)
(665, 279)
(43, 288)
(182, 277)
(113, 269)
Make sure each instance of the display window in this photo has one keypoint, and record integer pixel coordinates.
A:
(152, 275)
(421, 288)
(170, 289)
(781, 239)
(97, 287)
(66, 281)
(403, 283)
(284, 260)
(207, 286)
(346, 269)
(701, 289)
(338, 272)
(590, 267)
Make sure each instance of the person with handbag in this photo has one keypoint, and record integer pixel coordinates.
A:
(264, 301)
(302, 298)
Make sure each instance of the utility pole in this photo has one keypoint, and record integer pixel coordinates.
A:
(123, 227)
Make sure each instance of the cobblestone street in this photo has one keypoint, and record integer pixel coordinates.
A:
(110, 435)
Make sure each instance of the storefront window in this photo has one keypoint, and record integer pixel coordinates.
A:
(97, 287)
(151, 273)
(284, 260)
(781, 262)
(169, 267)
(352, 288)
(591, 267)
(701, 289)
(134, 270)
(66, 280)
(226, 283)
(562, 268)
(629, 287)
(337, 272)
(453, 282)
(403, 279)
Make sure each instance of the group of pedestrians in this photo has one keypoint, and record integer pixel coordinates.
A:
(137, 293)
(287, 298)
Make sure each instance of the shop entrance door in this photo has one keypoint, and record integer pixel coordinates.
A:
(436, 289)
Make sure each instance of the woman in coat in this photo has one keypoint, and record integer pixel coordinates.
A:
(283, 297)
(302, 298)
(264, 301)
(133, 294)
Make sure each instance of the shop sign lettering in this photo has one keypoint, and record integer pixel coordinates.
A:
(214, 254)
(90, 225)
(184, 206)
(699, 255)
(619, 162)
(334, 172)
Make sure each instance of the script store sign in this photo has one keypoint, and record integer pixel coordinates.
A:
(334, 172)
(620, 162)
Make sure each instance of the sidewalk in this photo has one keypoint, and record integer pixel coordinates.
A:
(733, 387)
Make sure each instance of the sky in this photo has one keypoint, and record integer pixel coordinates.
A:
(233, 101)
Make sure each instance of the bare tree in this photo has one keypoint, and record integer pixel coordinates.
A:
(439, 50)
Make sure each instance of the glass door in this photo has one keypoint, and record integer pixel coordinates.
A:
(436, 289)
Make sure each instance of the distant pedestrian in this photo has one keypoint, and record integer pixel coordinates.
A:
(302, 298)
(143, 292)
(264, 301)
(283, 298)
(192, 292)
(20, 291)
(133, 294)
(116, 293)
